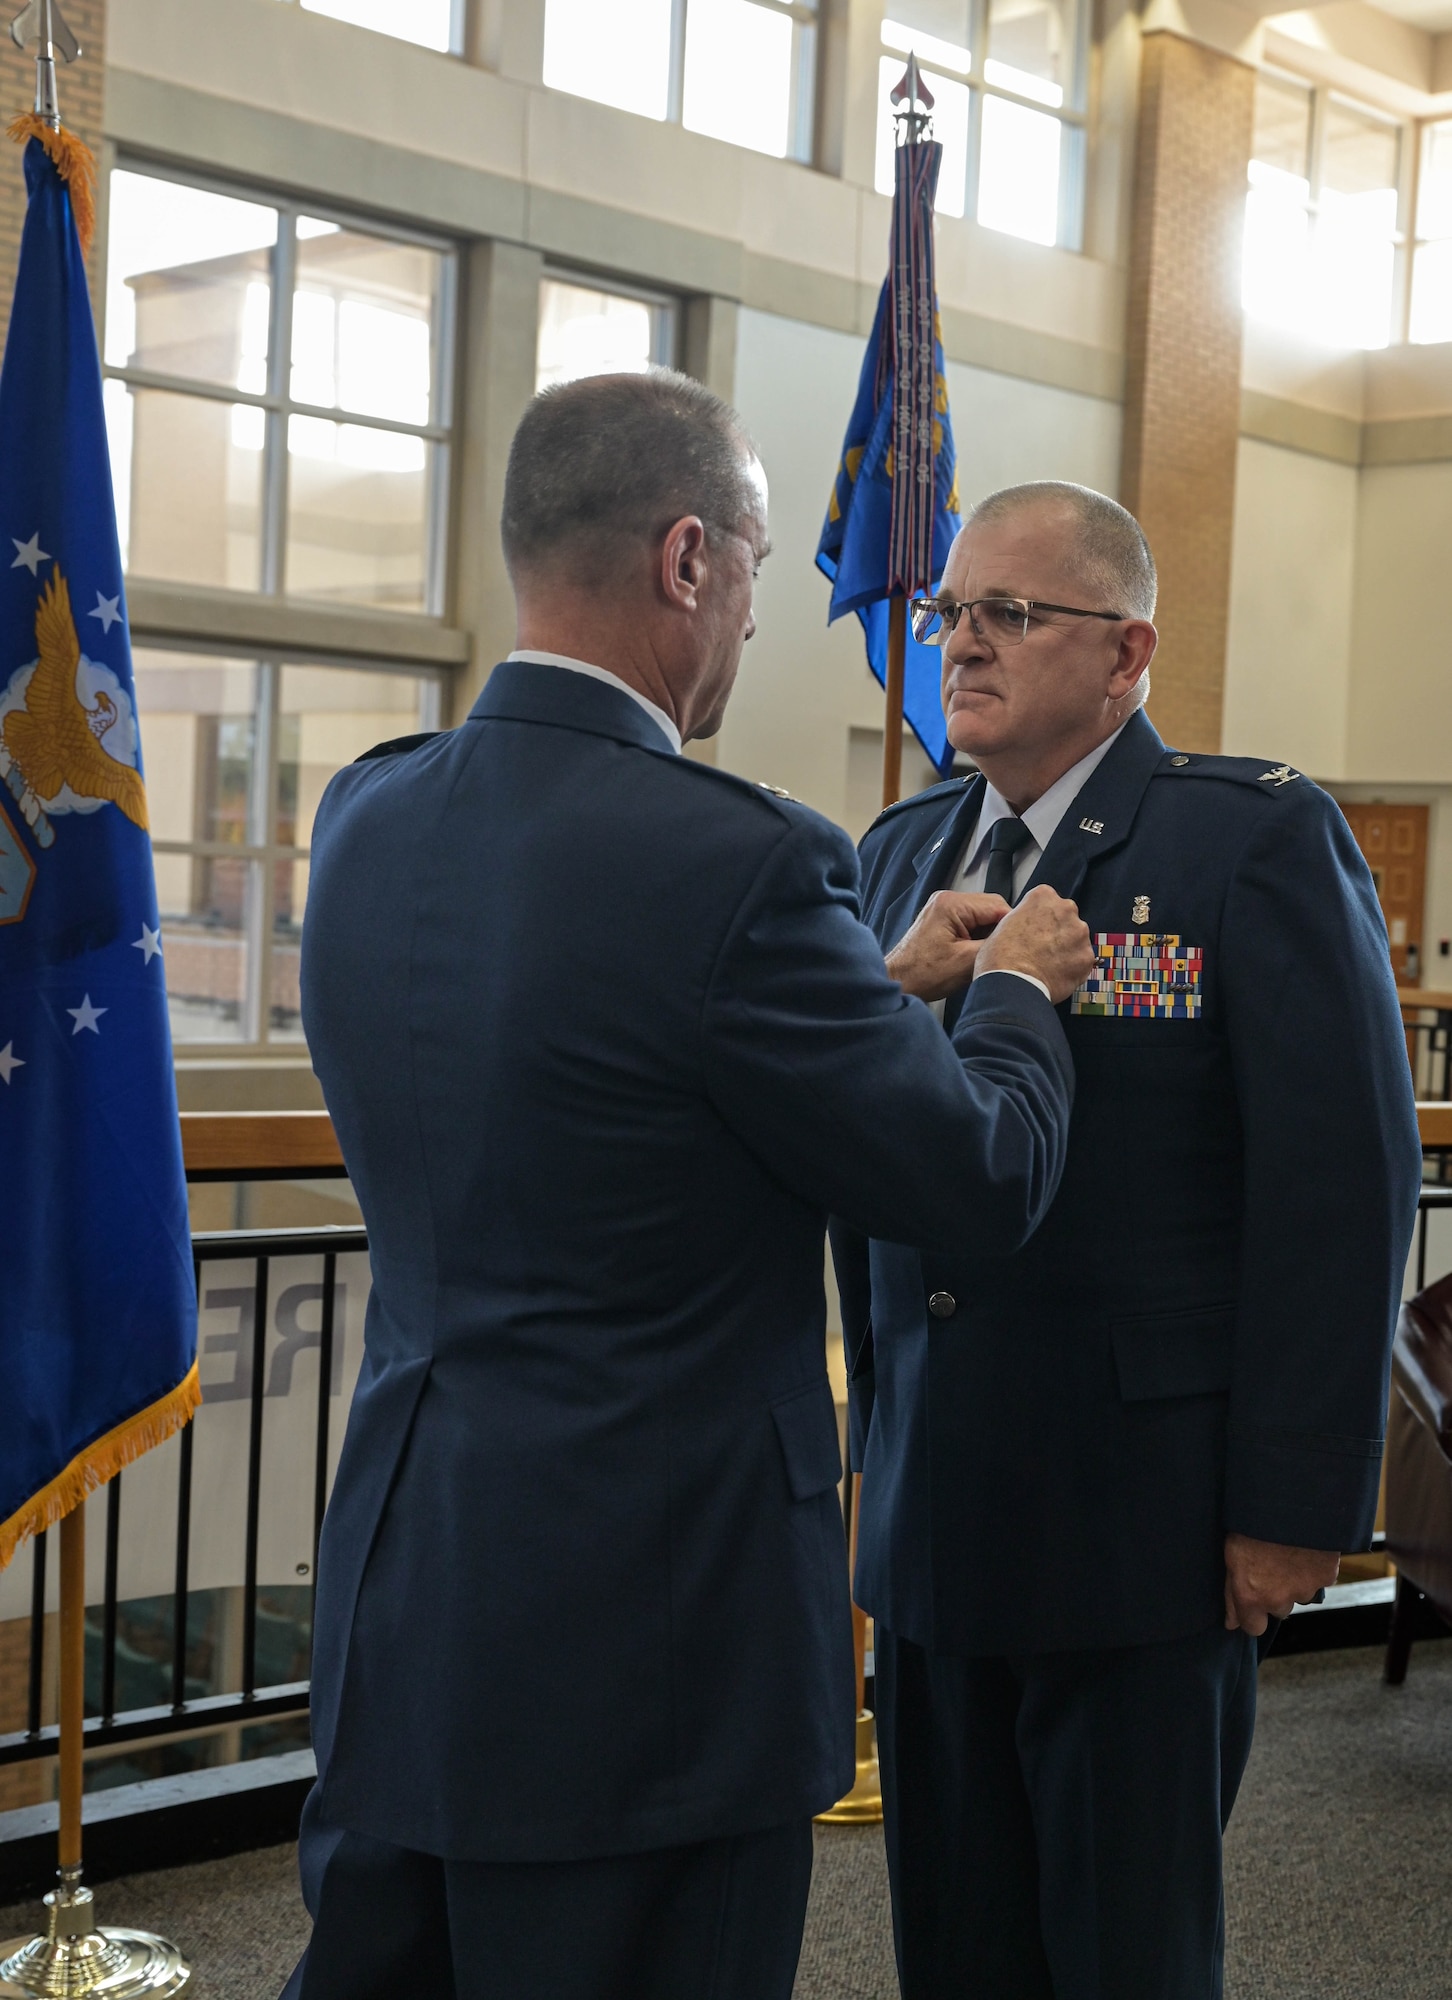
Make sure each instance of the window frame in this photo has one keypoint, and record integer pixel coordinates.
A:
(257, 1037)
(276, 401)
(1072, 114)
(1409, 133)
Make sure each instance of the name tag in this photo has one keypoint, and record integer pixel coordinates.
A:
(1144, 975)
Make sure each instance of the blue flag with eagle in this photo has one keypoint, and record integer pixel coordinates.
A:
(893, 512)
(97, 1297)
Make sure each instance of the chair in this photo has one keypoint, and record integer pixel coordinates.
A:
(1419, 1471)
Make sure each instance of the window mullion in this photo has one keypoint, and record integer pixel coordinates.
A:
(977, 51)
(676, 87)
(279, 381)
(262, 831)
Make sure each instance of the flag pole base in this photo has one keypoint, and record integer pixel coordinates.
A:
(863, 1804)
(76, 1958)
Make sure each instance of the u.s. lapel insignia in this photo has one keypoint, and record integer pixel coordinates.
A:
(1140, 913)
(1281, 775)
(1091, 826)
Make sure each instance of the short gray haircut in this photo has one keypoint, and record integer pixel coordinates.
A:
(603, 466)
(1112, 553)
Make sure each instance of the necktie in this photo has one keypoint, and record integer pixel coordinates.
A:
(1004, 842)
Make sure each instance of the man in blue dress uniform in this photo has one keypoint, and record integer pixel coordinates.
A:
(1096, 1470)
(604, 1041)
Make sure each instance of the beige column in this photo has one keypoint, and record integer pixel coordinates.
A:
(1183, 342)
(496, 381)
(506, 36)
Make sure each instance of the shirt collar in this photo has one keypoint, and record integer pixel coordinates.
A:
(1043, 816)
(657, 715)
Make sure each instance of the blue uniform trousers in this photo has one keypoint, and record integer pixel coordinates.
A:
(1054, 1820)
(720, 1920)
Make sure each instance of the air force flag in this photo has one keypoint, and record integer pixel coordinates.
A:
(97, 1298)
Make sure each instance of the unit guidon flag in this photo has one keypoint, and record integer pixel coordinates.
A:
(97, 1296)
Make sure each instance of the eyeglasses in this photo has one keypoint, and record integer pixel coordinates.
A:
(1002, 620)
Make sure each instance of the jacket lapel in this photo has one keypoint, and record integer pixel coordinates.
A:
(932, 865)
(1102, 816)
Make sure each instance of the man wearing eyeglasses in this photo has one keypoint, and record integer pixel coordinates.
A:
(1096, 1472)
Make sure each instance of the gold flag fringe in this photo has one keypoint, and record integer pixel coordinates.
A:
(76, 164)
(101, 1461)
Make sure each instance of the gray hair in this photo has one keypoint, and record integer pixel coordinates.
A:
(603, 466)
(1111, 554)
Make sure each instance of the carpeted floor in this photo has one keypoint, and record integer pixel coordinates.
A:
(1337, 1879)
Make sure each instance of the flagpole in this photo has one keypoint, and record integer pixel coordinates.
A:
(75, 1957)
(892, 721)
(72, 1692)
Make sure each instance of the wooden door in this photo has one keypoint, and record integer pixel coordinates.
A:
(1394, 840)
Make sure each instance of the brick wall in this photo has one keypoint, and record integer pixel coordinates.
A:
(1182, 390)
(81, 87)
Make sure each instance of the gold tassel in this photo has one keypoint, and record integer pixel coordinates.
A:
(101, 1461)
(76, 164)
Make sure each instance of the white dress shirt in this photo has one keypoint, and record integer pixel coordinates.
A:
(658, 716)
(1042, 820)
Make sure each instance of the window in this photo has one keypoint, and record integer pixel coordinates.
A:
(277, 395)
(740, 70)
(237, 753)
(1007, 82)
(586, 331)
(1431, 314)
(435, 24)
(1322, 215)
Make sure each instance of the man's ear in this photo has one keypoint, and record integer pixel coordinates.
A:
(1137, 644)
(683, 562)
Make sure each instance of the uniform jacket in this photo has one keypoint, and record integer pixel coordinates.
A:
(1197, 1338)
(604, 1041)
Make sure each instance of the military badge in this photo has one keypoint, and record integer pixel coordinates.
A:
(1142, 975)
(1140, 913)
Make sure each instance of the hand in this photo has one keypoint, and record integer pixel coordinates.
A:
(938, 954)
(1265, 1580)
(1044, 936)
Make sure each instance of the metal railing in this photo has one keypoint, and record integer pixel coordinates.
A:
(249, 1703)
(193, 1715)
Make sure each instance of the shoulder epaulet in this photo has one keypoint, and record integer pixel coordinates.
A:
(948, 786)
(1253, 771)
(398, 746)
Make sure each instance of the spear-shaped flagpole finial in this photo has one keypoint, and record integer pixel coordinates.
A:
(43, 20)
(909, 93)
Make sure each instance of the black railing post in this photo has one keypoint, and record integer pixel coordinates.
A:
(35, 1704)
(183, 1566)
(325, 1391)
(254, 1482)
(108, 1616)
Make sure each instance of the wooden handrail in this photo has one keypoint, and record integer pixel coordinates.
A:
(259, 1142)
(303, 1142)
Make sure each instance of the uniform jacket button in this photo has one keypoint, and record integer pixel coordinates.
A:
(942, 1305)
